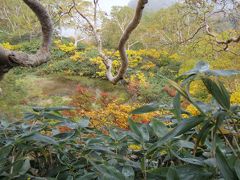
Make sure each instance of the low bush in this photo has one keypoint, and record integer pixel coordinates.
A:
(183, 145)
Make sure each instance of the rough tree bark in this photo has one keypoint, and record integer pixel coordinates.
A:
(122, 42)
(9, 59)
(226, 43)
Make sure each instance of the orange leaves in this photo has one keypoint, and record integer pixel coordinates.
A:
(64, 129)
(104, 110)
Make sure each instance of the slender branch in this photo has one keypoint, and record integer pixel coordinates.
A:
(122, 42)
(125, 36)
(226, 42)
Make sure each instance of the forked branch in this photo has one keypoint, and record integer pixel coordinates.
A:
(122, 42)
(226, 43)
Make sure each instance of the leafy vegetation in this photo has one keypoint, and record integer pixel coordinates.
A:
(173, 115)
(47, 144)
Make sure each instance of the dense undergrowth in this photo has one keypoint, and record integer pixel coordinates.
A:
(202, 143)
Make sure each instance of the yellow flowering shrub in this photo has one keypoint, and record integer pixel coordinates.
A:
(175, 57)
(8, 46)
(235, 97)
(135, 147)
(140, 77)
(65, 47)
(193, 110)
(153, 53)
(115, 114)
(143, 59)
(198, 89)
(98, 61)
(148, 66)
(78, 56)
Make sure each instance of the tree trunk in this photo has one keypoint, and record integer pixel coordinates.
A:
(9, 59)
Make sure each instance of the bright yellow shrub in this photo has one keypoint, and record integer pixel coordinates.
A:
(8, 46)
(235, 97)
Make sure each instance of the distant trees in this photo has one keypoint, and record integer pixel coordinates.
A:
(218, 16)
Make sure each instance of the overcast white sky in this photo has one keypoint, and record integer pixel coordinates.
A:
(107, 4)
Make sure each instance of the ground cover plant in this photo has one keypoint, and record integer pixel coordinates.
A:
(181, 145)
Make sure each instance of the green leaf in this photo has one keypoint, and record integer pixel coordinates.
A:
(5, 151)
(51, 116)
(185, 144)
(83, 123)
(193, 172)
(223, 72)
(40, 138)
(200, 67)
(113, 134)
(237, 168)
(30, 116)
(144, 132)
(128, 172)
(177, 106)
(159, 128)
(193, 161)
(157, 173)
(218, 91)
(109, 172)
(87, 176)
(220, 117)
(203, 133)
(172, 174)
(59, 108)
(25, 167)
(223, 165)
(179, 89)
(146, 109)
(21, 167)
(135, 130)
(181, 128)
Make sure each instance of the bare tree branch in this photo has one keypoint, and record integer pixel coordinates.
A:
(122, 42)
(121, 47)
(226, 43)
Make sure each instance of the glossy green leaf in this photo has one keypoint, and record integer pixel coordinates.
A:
(135, 130)
(177, 106)
(21, 167)
(218, 91)
(146, 109)
(59, 108)
(181, 128)
(172, 174)
(223, 72)
(159, 128)
(40, 138)
(128, 172)
(237, 168)
(223, 165)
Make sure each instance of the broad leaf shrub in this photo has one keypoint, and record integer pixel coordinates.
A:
(193, 146)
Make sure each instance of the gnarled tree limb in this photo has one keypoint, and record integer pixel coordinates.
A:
(9, 59)
(226, 43)
(122, 43)
(125, 36)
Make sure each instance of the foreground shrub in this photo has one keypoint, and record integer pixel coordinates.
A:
(192, 146)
